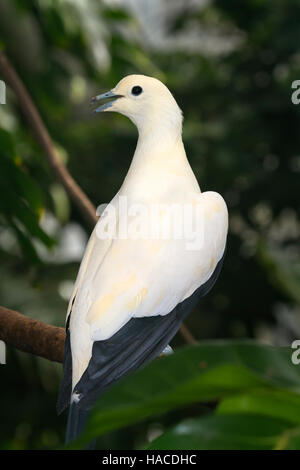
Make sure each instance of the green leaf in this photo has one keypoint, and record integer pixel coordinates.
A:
(290, 440)
(116, 14)
(283, 270)
(209, 371)
(219, 432)
(14, 179)
(6, 143)
(13, 206)
(27, 187)
(26, 245)
(276, 403)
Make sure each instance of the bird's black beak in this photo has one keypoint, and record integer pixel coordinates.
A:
(104, 96)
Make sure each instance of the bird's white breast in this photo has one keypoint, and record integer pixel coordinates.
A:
(138, 277)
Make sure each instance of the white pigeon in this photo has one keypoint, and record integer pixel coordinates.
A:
(132, 292)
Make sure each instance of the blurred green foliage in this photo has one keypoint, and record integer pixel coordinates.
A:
(257, 388)
(241, 132)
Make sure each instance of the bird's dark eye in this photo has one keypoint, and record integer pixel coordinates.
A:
(136, 90)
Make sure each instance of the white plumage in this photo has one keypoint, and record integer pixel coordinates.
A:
(120, 279)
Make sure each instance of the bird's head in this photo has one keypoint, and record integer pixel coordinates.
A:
(145, 100)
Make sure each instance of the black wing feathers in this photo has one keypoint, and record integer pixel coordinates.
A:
(66, 384)
(134, 345)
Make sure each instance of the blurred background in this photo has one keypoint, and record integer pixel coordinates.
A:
(230, 66)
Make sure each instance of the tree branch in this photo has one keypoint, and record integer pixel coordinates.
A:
(187, 335)
(42, 135)
(60, 171)
(31, 336)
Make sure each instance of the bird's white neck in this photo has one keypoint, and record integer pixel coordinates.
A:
(159, 162)
(156, 144)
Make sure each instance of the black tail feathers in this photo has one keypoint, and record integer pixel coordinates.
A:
(76, 423)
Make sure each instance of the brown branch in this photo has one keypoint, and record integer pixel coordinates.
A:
(42, 136)
(187, 335)
(60, 171)
(31, 336)
(39, 338)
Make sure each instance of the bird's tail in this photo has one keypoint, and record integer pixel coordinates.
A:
(76, 423)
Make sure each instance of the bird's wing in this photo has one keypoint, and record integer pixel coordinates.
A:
(149, 277)
(93, 251)
(138, 342)
(131, 304)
